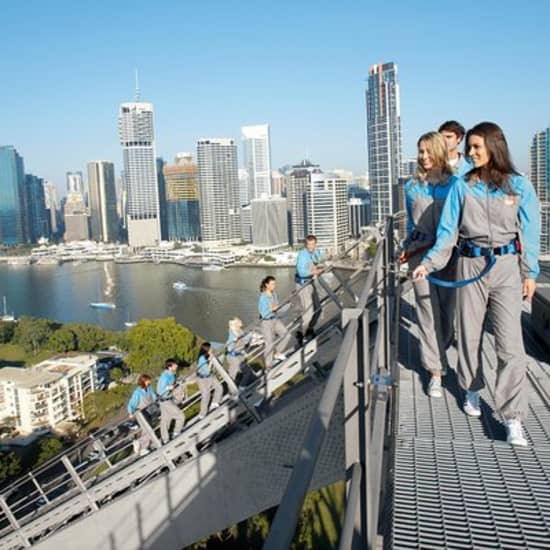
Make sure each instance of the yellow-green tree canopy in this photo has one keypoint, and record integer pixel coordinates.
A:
(151, 342)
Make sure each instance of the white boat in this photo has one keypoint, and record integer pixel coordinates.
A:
(130, 324)
(47, 260)
(179, 285)
(212, 267)
(103, 305)
(5, 317)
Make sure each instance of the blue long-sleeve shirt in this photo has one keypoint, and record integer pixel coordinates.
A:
(166, 379)
(487, 216)
(138, 397)
(305, 262)
(203, 366)
(235, 343)
(266, 304)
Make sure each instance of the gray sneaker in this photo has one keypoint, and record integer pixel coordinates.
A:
(471, 404)
(434, 388)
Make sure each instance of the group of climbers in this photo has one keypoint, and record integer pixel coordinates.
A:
(473, 231)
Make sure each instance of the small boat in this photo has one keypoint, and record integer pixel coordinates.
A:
(103, 305)
(212, 267)
(6, 318)
(179, 285)
(130, 324)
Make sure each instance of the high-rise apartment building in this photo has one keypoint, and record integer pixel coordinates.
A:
(137, 139)
(383, 137)
(182, 199)
(75, 216)
(38, 223)
(102, 201)
(75, 183)
(328, 215)
(257, 159)
(219, 190)
(12, 200)
(298, 188)
(269, 223)
(539, 174)
(50, 201)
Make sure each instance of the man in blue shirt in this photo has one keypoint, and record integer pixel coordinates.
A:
(306, 270)
(453, 133)
(168, 409)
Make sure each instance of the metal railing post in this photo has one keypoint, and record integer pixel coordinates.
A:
(233, 389)
(148, 429)
(356, 378)
(13, 522)
(39, 487)
(78, 481)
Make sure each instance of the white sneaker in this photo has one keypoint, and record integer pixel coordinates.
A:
(471, 404)
(514, 432)
(144, 452)
(214, 406)
(434, 387)
(279, 356)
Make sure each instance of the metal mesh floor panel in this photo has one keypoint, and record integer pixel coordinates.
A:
(457, 483)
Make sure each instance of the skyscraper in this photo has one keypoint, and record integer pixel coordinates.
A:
(219, 190)
(75, 215)
(383, 137)
(257, 159)
(75, 183)
(50, 200)
(539, 174)
(269, 223)
(328, 216)
(182, 199)
(12, 201)
(103, 202)
(138, 151)
(298, 188)
(38, 222)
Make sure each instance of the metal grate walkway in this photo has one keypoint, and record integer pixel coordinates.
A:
(457, 483)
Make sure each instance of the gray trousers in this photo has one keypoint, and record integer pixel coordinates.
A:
(499, 295)
(272, 329)
(206, 385)
(309, 302)
(237, 365)
(170, 411)
(435, 313)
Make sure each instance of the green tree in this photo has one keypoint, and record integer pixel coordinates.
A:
(6, 332)
(151, 342)
(10, 465)
(48, 448)
(89, 337)
(33, 334)
(116, 374)
(63, 340)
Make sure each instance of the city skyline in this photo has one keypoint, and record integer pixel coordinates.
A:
(318, 112)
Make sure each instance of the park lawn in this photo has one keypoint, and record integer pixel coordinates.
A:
(14, 353)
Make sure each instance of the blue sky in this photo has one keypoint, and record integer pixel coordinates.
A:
(210, 67)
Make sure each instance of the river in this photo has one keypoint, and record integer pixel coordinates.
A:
(139, 291)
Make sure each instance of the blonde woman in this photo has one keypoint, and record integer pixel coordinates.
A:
(235, 354)
(425, 196)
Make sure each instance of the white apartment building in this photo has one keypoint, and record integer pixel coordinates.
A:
(257, 159)
(269, 223)
(48, 393)
(328, 215)
(137, 138)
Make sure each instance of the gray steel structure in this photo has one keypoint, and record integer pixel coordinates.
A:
(420, 473)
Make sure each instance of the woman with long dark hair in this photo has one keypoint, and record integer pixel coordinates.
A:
(425, 196)
(272, 327)
(493, 213)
